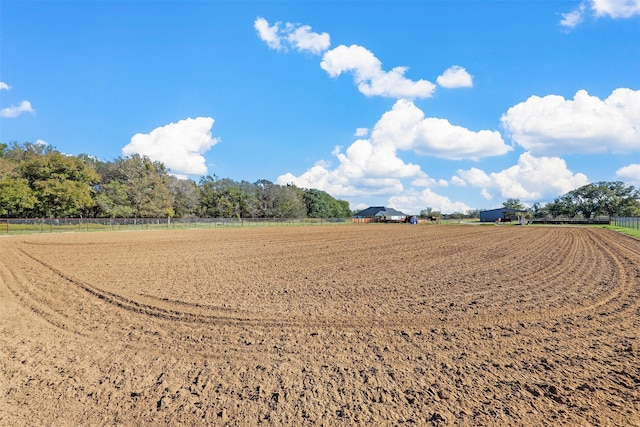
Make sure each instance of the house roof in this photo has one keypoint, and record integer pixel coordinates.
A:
(378, 211)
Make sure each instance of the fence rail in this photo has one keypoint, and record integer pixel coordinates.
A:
(58, 225)
(628, 222)
(572, 221)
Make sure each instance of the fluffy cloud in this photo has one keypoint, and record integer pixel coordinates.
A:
(616, 8)
(15, 111)
(361, 132)
(367, 167)
(406, 127)
(600, 8)
(303, 39)
(268, 33)
(532, 178)
(630, 174)
(299, 37)
(586, 124)
(414, 203)
(373, 167)
(454, 77)
(369, 76)
(367, 70)
(178, 145)
(573, 18)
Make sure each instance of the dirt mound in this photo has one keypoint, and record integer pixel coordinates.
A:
(327, 325)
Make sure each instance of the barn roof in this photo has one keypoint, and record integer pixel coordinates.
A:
(378, 210)
(503, 210)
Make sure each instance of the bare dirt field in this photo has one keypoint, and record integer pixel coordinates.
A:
(330, 325)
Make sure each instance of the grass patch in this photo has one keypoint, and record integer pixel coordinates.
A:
(624, 230)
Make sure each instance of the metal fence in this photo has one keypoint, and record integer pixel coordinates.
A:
(58, 225)
(628, 222)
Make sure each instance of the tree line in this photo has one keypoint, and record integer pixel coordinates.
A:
(37, 181)
(604, 198)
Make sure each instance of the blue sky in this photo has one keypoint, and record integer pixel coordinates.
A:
(452, 105)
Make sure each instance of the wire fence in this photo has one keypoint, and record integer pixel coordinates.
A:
(59, 225)
(628, 222)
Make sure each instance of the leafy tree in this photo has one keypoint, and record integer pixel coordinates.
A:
(587, 199)
(185, 196)
(16, 197)
(321, 204)
(113, 200)
(265, 197)
(539, 211)
(633, 209)
(147, 184)
(513, 204)
(472, 213)
(62, 184)
(26, 151)
(426, 213)
(616, 197)
(564, 206)
(223, 198)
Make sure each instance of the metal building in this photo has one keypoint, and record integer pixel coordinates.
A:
(501, 214)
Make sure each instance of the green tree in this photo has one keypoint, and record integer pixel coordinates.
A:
(147, 184)
(223, 198)
(113, 200)
(290, 202)
(617, 197)
(186, 198)
(539, 211)
(513, 204)
(472, 213)
(587, 199)
(63, 185)
(426, 213)
(16, 197)
(265, 199)
(321, 204)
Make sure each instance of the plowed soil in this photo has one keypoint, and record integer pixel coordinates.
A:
(362, 324)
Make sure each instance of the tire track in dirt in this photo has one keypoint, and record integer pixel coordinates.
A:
(536, 284)
(31, 295)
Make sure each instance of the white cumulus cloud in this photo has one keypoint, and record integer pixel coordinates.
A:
(406, 127)
(180, 146)
(16, 110)
(414, 203)
(303, 39)
(369, 76)
(586, 124)
(297, 36)
(616, 9)
(361, 132)
(531, 179)
(373, 166)
(4, 86)
(630, 174)
(268, 33)
(455, 77)
(366, 167)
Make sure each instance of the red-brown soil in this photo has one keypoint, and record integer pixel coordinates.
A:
(345, 325)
